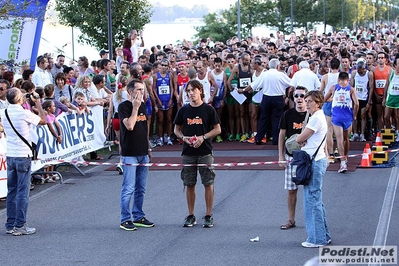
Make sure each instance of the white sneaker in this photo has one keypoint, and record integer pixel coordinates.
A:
(355, 137)
(362, 138)
(311, 245)
(169, 142)
(343, 168)
(24, 230)
(165, 138)
(160, 142)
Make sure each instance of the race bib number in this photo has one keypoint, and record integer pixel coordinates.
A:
(244, 82)
(164, 90)
(380, 83)
(359, 88)
(395, 89)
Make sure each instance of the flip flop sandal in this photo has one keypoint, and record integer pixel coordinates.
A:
(289, 224)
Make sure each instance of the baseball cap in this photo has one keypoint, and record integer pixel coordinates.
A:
(360, 63)
(103, 52)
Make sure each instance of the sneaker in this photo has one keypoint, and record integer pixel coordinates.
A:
(10, 231)
(159, 142)
(231, 137)
(190, 221)
(251, 140)
(24, 230)
(331, 159)
(165, 138)
(311, 245)
(264, 140)
(397, 138)
(128, 226)
(237, 137)
(143, 222)
(56, 177)
(336, 153)
(208, 221)
(153, 144)
(169, 141)
(119, 169)
(355, 137)
(219, 139)
(343, 168)
(361, 138)
(243, 138)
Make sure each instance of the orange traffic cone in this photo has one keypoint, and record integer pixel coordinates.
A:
(365, 159)
(378, 141)
(369, 151)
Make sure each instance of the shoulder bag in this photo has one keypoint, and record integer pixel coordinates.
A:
(32, 146)
(291, 144)
(301, 166)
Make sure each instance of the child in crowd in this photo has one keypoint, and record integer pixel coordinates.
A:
(55, 130)
(80, 102)
(81, 107)
(65, 101)
(119, 58)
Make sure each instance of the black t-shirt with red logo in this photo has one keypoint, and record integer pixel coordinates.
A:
(134, 142)
(197, 121)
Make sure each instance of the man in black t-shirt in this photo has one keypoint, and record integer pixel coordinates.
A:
(134, 150)
(196, 124)
(291, 122)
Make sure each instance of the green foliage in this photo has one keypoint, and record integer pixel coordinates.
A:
(90, 16)
(7, 8)
(216, 28)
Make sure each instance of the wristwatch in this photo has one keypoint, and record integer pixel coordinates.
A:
(205, 136)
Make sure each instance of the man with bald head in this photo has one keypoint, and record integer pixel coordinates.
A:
(19, 157)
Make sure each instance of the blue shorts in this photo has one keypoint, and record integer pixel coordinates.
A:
(148, 108)
(165, 105)
(216, 103)
(327, 107)
(344, 124)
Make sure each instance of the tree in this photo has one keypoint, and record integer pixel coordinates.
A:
(90, 16)
(216, 28)
(8, 8)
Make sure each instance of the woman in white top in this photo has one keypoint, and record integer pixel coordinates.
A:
(310, 139)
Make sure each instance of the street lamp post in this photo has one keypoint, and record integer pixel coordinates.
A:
(292, 17)
(373, 1)
(342, 13)
(238, 20)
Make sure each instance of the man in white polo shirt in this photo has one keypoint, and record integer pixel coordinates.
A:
(19, 157)
(305, 78)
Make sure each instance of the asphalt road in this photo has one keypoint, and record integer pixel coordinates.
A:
(78, 222)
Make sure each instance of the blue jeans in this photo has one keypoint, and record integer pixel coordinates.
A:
(315, 213)
(18, 184)
(134, 184)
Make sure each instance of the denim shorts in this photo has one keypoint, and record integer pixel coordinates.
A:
(189, 173)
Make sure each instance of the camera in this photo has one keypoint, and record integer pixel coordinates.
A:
(35, 96)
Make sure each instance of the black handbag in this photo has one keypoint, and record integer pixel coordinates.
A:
(32, 146)
(301, 166)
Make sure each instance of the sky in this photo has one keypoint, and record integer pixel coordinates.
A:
(212, 4)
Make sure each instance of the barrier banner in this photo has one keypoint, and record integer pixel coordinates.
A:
(81, 134)
(20, 33)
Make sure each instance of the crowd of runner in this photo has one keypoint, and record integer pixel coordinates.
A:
(228, 71)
